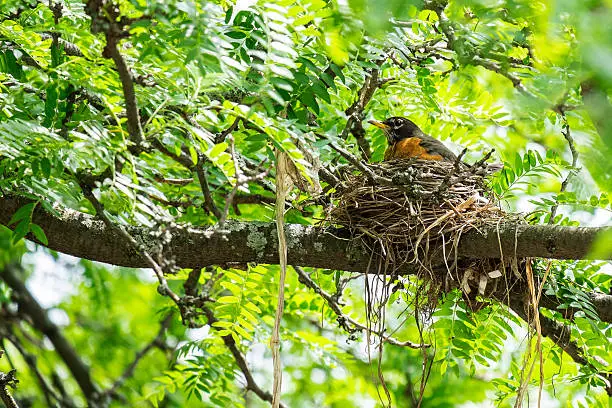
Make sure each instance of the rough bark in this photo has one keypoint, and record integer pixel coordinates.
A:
(84, 236)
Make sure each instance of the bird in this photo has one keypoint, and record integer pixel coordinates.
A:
(406, 141)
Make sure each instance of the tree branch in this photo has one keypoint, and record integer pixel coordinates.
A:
(105, 17)
(30, 359)
(8, 380)
(557, 332)
(157, 342)
(572, 146)
(85, 236)
(354, 113)
(240, 360)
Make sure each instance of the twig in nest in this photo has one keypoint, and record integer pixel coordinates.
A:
(480, 163)
(456, 165)
(373, 177)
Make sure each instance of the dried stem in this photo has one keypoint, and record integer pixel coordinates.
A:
(230, 343)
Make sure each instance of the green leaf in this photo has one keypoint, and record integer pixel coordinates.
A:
(21, 230)
(24, 213)
(228, 14)
(232, 287)
(45, 166)
(319, 89)
(217, 150)
(39, 234)
(228, 300)
(193, 154)
(309, 100)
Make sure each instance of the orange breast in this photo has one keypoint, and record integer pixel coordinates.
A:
(409, 148)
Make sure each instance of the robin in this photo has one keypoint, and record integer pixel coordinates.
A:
(406, 141)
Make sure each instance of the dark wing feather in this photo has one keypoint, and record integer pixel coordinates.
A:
(434, 146)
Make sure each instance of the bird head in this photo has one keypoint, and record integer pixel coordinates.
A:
(397, 128)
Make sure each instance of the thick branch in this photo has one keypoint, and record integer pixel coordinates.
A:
(85, 236)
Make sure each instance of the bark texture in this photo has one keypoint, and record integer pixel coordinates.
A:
(84, 236)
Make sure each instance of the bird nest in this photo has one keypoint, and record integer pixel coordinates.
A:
(410, 215)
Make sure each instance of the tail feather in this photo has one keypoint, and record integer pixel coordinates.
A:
(494, 168)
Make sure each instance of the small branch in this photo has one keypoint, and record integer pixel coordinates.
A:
(495, 67)
(8, 380)
(163, 288)
(182, 158)
(229, 342)
(354, 112)
(480, 163)
(221, 136)
(30, 360)
(106, 18)
(172, 181)
(345, 320)
(170, 203)
(191, 283)
(572, 146)
(329, 177)
(448, 30)
(129, 93)
(186, 162)
(558, 333)
(205, 187)
(372, 177)
(445, 183)
(157, 342)
(69, 48)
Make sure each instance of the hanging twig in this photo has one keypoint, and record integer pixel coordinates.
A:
(345, 320)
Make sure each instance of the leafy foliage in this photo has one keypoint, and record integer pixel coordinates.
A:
(219, 85)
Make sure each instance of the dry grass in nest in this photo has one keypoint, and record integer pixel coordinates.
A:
(405, 210)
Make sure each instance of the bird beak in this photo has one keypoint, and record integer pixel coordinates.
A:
(379, 124)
